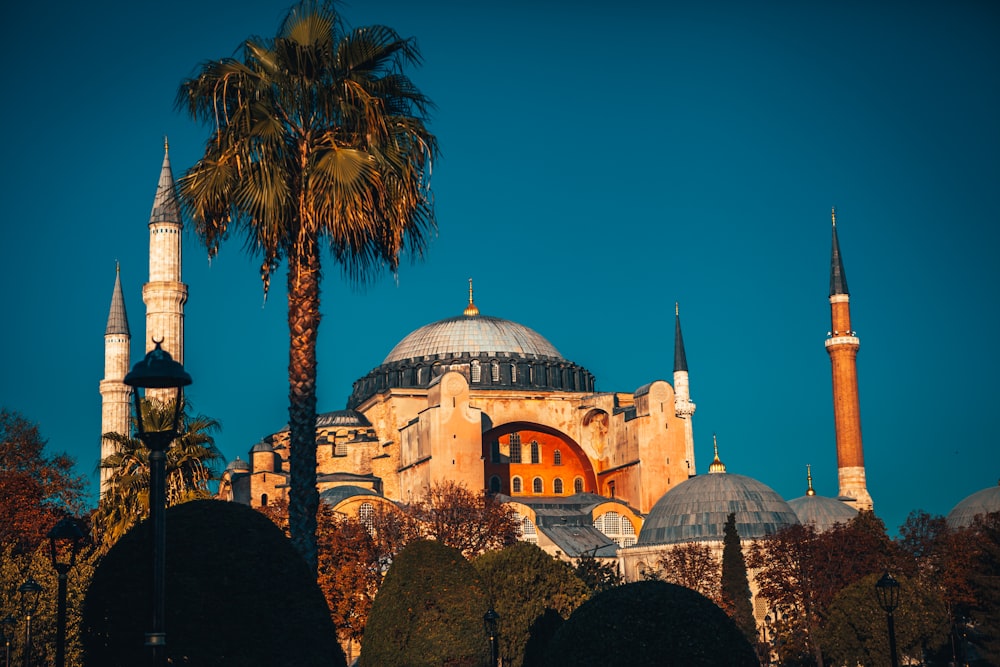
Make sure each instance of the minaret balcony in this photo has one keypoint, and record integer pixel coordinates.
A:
(842, 340)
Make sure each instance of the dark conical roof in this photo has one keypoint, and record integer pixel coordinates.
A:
(838, 279)
(165, 206)
(680, 359)
(117, 318)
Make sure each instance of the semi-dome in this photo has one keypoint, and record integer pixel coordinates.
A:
(334, 495)
(980, 502)
(697, 509)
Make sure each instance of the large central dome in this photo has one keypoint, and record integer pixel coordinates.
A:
(476, 334)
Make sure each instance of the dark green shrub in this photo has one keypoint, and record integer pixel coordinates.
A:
(237, 594)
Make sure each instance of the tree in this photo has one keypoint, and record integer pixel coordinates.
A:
(429, 611)
(318, 141)
(523, 582)
(192, 462)
(597, 575)
(986, 579)
(650, 623)
(470, 522)
(735, 586)
(694, 566)
(36, 489)
(266, 607)
(856, 629)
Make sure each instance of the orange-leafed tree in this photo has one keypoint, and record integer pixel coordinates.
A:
(471, 522)
(694, 566)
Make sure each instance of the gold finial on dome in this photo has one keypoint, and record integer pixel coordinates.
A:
(717, 465)
(809, 477)
(470, 310)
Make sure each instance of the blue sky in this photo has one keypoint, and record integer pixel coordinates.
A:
(600, 161)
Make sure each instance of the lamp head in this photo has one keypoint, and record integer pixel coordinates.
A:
(157, 370)
(30, 591)
(66, 537)
(887, 592)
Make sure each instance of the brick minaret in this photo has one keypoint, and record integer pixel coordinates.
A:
(115, 394)
(683, 406)
(842, 346)
(165, 294)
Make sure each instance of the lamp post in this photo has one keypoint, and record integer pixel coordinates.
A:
(30, 591)
(491, 623)
(6, 628)
(158, 370)
(766, 651)
(887, 592)
(65, 540)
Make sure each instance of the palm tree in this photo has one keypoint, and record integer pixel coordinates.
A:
(318, 141)
(192, 462)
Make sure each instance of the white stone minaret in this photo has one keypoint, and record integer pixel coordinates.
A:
(165, 294)
(115, 394)
(683, 407)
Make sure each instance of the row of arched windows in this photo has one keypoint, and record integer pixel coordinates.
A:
(537, 485)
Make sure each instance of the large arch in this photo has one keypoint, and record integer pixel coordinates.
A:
(542, 451)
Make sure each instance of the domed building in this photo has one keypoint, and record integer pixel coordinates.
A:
(821, 512)
(491, 404)
(697, 510)
(981, 502)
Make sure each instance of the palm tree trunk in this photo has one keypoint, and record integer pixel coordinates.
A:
(303, 327)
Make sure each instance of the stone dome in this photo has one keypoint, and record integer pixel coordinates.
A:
(696, 510)
(473, 335)
(822, 512)
(262, 446)
(238, 465)
(980, 502)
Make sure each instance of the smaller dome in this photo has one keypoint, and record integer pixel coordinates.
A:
(335, 495)
(822, 512)
(262, 446)
(238, 465)
(342, 418)
(980, 502)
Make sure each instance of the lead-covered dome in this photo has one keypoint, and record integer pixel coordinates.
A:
(980, 502)
(474, 335)
(697, 509)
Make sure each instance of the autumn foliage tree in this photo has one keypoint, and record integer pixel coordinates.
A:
(692, 565)
(472, 522)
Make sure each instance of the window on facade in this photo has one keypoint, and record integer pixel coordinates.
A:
(340, 449)
(557, 458)
(536, 456)
(495, 371)
(513, 372)
(494, 484)
(366, 515)
(557, 487)
(578, 485)
(528, 531)
(515, 485)
(515, 447)
(536, 485)
(617, 528)
(263, 500)
(477, 372)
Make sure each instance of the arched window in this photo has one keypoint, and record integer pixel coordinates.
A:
(528, 531)
(495, 370)
(536, 485)
(557, 487)
(515, 485)
(578, 485)
(513, 372)
(263, 500)
(536, 456)
(617, 528)
(494, 484)
(477, 372)
(515, 447)
(366, 514)
(557, 458)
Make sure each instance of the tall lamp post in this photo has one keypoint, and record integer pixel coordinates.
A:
(158, 370)
(29, 590)
(6, 628)
(65, 540)
(491, 623)
(887, 592)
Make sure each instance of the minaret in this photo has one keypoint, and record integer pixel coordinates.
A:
(115, 394)
(842, 346)
(165, 294)
(683, 407)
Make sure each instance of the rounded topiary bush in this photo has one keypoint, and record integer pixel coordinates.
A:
(237, 593)
(650, 623)
(428, 611)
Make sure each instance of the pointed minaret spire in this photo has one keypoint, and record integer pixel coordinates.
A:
(165, 206)
(683, 406)
(809, 480)
(717, 465)
(470, 310)
(842, 345)
(115, 394)
(838, 278)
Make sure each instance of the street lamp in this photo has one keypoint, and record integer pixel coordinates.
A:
(887, 592)
(158, 370)
(766, 651)
(6, 628)
(29, 590)
(65, 540)
(491, 623)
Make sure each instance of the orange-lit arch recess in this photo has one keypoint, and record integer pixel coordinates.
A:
(573, 464)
